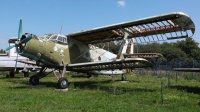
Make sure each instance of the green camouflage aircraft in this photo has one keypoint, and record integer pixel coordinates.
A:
(77, 52)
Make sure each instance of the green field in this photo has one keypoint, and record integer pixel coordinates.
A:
(102, 94)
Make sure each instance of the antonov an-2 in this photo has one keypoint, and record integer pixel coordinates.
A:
(76, 51)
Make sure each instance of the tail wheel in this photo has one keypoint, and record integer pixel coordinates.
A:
(62, 83)
(34, 80)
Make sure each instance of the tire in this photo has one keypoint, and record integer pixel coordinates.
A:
(11, 74)
(89, 75)
(34, 80)
(62, 83)
(26, 74)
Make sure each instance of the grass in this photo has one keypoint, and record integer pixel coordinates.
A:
(101, 94)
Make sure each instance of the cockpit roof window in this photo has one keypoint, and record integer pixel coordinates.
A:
(54, 37)
(48, 36)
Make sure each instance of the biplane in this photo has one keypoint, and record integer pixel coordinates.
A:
(77, 51)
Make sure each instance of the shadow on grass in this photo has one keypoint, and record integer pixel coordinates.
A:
(116, 90)
(102, 85)
(12, 77)
(189, 89)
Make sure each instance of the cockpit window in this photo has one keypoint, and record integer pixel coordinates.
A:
(47, 36)
(57, 39)
(62, 40)
(54, 37)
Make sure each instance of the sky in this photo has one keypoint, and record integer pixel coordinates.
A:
(46, 16)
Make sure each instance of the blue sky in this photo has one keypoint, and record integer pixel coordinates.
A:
(46, 16)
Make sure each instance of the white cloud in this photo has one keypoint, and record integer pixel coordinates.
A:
(121, 3)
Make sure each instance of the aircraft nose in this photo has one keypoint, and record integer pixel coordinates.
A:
(25, 38)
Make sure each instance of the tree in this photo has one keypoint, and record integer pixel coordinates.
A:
(189, 46)
(2, 51)
(149, 48)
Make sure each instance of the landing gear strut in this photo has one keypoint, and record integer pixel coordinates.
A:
(11, 74)
(62, 81)
(34, 80)
(123, 77)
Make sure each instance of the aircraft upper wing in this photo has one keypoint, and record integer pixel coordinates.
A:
(110, 65)
(156, 28)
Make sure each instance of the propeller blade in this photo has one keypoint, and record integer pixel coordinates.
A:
(10, 47)
(26, 39)
(19, 36)
(16, 61)
(20, 29)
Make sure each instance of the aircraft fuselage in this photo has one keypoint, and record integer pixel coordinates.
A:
(53, 52)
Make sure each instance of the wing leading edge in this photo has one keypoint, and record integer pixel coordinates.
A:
(161, 27)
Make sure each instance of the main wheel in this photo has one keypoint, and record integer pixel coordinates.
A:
(62, 83)
(34, 80)
(11, 74)
(26, 74)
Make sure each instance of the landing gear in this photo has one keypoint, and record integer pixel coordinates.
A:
(11, 74)
(123, 77)
(62, 83)
(34, 80)
(26, 74)
(89, 75)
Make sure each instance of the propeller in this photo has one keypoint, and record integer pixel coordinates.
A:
(19, 42)
(22, 42)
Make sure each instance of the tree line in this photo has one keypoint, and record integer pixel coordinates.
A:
(2, 51)
(185, 52)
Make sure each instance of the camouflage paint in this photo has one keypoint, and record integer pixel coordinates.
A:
(79, 52)
(48, 51)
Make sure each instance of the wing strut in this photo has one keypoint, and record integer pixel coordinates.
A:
(124, 44)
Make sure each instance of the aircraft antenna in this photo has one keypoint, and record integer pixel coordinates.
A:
(61, 28)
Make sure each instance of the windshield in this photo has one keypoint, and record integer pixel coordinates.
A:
(54, 37)
(48, 36)
(60, 39)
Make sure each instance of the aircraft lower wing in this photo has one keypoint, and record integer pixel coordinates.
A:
(27, 62)
(156, 28)
(187, 69)
(143, 55)
(110, 65)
